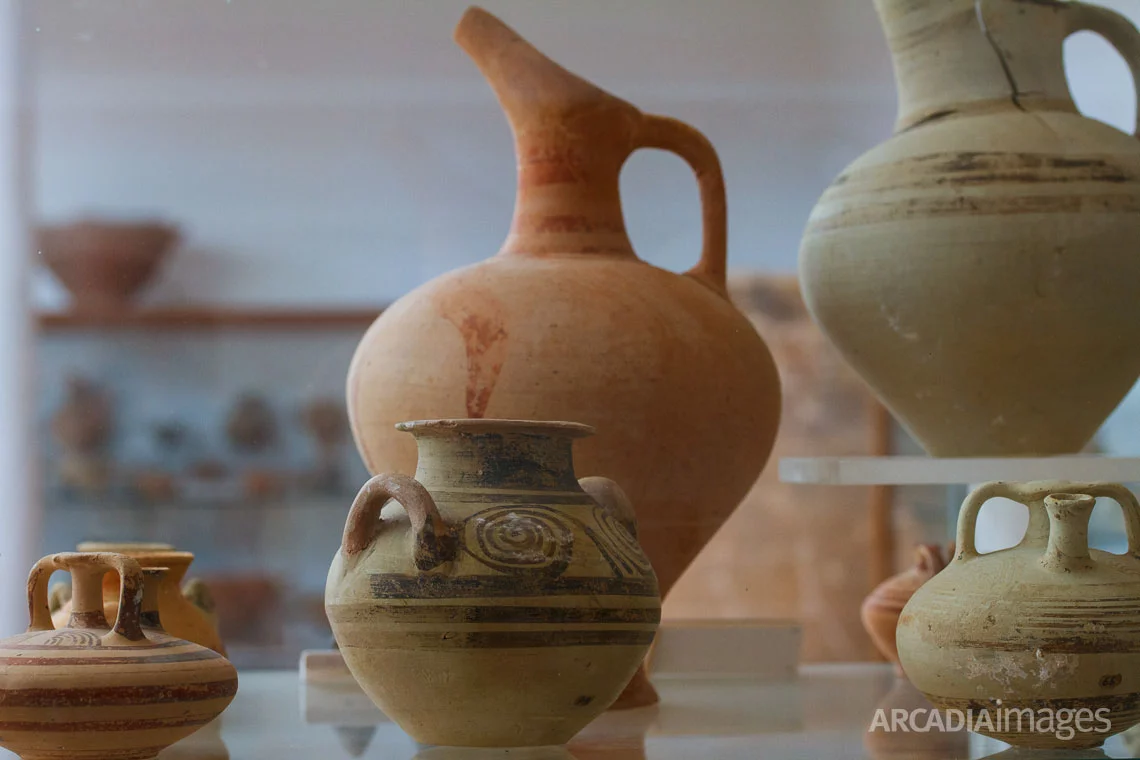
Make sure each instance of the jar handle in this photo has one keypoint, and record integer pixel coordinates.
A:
(612, 499)
(1116, 29)
(968, 516)
(127, 621)
(434, 543)
(677, 137)
(1025, 493)
(1128, 505)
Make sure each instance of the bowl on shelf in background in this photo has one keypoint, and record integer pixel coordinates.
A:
(104, 264)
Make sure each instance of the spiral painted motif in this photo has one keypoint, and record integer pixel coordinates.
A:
(71, 637)
(519, 539)
(618, 545)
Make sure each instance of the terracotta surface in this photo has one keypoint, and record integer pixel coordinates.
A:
(98, 691)
(250, 607)
(1046, 624)
(882, 607)
(818, 541)
(992, 235)
(103, 264)
(566, 322)
(496, 602)
(181, 617)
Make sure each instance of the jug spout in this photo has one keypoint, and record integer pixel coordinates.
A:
(525, 80)
(961, 56)
(571, 139)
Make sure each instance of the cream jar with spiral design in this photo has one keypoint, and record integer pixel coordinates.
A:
(493, 600)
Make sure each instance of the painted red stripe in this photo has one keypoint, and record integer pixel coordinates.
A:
(159, 658)
(101, 726)
(117, 695)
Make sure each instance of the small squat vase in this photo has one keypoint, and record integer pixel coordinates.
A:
(182, 618)
(493, 600)
(882, 607)
(94, 691)
(1047, 625)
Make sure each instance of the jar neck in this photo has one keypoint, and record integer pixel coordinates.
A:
(87, 599)
(1069, 516)
(515, 460)
(571, 140)
(957, 57)
(564, 208)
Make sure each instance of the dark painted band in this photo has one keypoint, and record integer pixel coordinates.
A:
(386, 586)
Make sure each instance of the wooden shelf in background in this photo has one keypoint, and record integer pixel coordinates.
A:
(209, 318)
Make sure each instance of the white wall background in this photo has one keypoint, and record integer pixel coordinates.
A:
(18, 511)
(346, 151)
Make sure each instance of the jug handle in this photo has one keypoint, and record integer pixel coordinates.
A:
(434, 543)
(968, 516)
(1128, 505)
(665, 133)
(1117, 30)
(1025, 493)
(127, 621)
(612, 499)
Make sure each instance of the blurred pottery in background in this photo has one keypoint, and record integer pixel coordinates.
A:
(1046, 625)
(155, 486)
(263, 484)
(250, 607)
(181, 617)
(251, 425)
(498, 602)
(992, 237)
(882, 607)
(93, 690)
(326, 422)
(198, 594)
(566, 322)
(81, 426)
(104, 264)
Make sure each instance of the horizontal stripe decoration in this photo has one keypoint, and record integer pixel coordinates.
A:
(483, 614)
(106, 696)
(388, 586)
(530, 639)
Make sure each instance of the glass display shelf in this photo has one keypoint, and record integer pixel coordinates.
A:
(823, 714)
(338, 504)
(920, 470)
(209, 318)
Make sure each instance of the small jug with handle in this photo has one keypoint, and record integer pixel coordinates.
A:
(992, 239)
(1044, 626)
